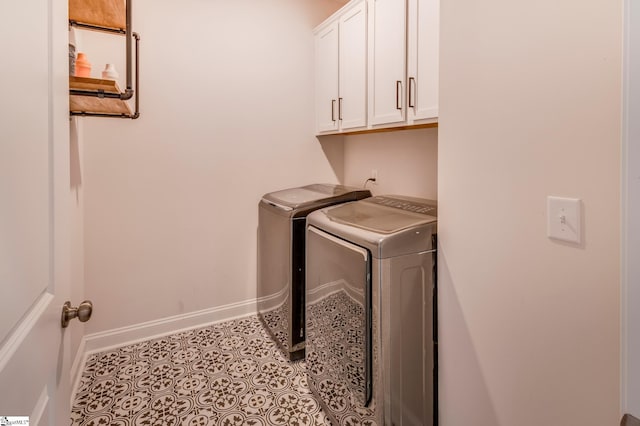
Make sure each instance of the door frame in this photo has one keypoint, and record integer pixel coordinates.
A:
(630, 220)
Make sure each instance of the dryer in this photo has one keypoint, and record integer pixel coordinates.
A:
(281, 257)
(371, 343)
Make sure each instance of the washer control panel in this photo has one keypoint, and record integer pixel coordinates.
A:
(402, 204)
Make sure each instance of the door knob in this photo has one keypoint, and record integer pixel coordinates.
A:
(82, 312)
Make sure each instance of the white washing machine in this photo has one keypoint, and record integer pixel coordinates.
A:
(371, 344)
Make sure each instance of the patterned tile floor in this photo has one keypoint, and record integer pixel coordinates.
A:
(225, 374)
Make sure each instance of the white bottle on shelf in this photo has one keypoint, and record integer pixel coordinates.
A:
(110, 72)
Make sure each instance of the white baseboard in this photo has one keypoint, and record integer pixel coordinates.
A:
(105, 340)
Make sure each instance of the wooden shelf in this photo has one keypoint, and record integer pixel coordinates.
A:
(100, 13)
(96, 97)
(79, 104)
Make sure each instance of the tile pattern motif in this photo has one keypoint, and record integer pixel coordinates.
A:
(336, 360)
(277, 320)
(226, 374)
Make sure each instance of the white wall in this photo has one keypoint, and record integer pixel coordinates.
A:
(406, 161)
(226, 116)
(530, 107)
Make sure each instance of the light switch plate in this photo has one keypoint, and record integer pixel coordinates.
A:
(563, 219)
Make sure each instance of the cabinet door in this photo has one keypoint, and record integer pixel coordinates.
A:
(422, 59)
(352, 103)
(387, 63)
(326, 46)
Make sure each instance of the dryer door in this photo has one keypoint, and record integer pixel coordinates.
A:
(338, 299)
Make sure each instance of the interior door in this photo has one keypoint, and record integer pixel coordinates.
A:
(34, 191)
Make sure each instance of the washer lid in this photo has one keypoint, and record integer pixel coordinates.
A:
(293, 198)
(385, 214)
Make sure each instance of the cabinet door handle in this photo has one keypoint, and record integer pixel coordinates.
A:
(333, 109)
(398, 95)
(412, 88)
(339, 108)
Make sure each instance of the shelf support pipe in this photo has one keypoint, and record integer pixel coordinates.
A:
(136, 113)
(129, 90)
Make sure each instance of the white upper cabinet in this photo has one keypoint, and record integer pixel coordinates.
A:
(341, 69)
(387, 62)
(326, 44)
(377, 66)
(422, 60)
(352, 103)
